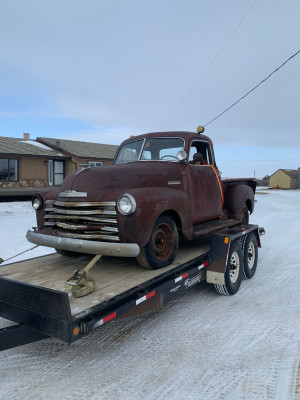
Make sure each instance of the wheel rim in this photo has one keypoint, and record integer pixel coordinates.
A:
(234, 267)
(251, 255)
(162, 241)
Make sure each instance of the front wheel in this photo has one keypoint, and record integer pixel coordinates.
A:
(161, 249)
(234, 271)
(250, 256)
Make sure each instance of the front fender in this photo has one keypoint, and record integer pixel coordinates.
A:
(151, 203)
(40, 214)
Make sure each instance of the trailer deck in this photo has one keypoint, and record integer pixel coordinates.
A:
(113, 275)
(32, 291)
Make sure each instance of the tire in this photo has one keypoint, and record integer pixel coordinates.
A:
(162, 247)
(67, 253)
(250, 256)
(234, 271)
(245, 216)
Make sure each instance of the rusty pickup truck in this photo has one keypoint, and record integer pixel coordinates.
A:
(161, 187)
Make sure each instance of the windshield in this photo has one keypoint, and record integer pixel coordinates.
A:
(153, 149)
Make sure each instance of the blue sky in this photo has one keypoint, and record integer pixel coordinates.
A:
(101, 71)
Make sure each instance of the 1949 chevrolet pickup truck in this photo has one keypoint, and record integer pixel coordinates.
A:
(161, 186)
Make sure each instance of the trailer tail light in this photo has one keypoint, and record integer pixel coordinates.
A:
(76, 330)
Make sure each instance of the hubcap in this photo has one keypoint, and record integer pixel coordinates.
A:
(162, 241)
(234, 267)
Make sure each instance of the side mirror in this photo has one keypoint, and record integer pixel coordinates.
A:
(181, 156)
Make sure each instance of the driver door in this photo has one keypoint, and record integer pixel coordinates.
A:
(205, 185)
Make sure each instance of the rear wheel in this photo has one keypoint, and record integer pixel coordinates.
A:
(250, 256)
(161, 249)
(234, 271)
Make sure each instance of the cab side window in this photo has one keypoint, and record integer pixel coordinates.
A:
(200, 153)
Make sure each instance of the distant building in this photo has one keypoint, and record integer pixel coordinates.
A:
(265, 181)
(284, 179)
(26, 163)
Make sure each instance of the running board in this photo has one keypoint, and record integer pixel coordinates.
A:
(213, 226)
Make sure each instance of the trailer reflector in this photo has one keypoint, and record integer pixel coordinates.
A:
(203, 265)
(105, 319)
(182, 277)
(144, 298)
(76, 330)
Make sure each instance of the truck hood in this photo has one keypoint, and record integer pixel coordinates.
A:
(98, 182)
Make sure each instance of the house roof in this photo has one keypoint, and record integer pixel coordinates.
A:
(18, 146)
(81, 149)
(292, 173)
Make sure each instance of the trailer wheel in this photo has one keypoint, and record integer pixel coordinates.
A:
(234, 271)
(161, 249)
(250, 256)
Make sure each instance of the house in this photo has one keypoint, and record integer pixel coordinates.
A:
(44, 162)
(265, 181)
(79, 154)
(284, 179)
(24, 163)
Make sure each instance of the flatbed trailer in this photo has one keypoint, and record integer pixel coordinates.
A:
(32, 291)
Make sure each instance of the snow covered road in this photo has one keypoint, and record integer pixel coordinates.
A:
(202, 346)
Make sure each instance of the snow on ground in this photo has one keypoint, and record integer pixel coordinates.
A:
(201, 346)
(16, 219)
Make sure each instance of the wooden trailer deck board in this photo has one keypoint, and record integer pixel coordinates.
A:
(113, 275)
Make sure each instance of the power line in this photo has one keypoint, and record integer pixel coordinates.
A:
(210, 64)
(255, 87)
(289, 159)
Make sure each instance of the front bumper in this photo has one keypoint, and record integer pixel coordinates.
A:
(84, 246)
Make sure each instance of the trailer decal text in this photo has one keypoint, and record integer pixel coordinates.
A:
(192, 281)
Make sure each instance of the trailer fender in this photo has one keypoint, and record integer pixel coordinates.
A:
(218, 256)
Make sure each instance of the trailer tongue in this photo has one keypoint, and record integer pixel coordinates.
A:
(32, 292)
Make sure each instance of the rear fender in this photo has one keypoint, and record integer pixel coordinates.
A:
(236, 198)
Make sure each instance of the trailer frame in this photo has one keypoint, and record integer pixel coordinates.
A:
(41, 313)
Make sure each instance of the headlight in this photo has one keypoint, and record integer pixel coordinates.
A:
(37, 202)
(126, 204)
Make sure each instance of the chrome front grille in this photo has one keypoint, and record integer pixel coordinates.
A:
(83, 220)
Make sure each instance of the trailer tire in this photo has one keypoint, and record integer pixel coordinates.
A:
(250, 256)
(161, 249)
(234, 271)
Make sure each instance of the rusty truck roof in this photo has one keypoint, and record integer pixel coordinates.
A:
(187, 136)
